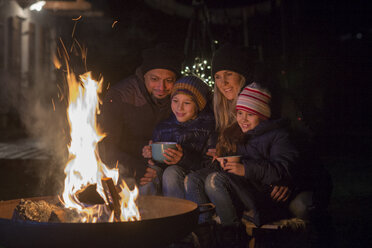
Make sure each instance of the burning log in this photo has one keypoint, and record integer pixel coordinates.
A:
(112, 196)
(42, 211)
(39, 211)
(89, 195)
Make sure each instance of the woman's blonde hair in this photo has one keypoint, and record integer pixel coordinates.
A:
(224, 110)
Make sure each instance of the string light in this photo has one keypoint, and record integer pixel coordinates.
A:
(201, 68)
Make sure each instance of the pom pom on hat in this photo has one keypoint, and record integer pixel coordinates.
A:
(255, 100)
(194, 87)
(163, 56)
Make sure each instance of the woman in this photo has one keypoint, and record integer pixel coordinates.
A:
(232, 69)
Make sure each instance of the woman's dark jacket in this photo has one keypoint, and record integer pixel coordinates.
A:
(128, 117)
(192, 135)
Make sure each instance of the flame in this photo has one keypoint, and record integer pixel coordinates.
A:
(128, 207)
(84, 167)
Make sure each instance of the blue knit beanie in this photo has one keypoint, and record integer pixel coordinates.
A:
(194, 87)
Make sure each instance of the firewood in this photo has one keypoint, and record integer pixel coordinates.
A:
(112, 196)
(42, 211)
(89, 195)
(39, 211)
(64, 215)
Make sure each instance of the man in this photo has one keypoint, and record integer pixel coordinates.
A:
(133, 107)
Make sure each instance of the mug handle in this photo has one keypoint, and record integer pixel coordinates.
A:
(209, 207)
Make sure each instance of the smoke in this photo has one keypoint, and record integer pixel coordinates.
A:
(8, 97)
(41, 108)
(42, 111)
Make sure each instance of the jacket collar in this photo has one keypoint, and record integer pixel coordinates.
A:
(267, 126)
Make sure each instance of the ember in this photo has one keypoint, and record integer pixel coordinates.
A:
(39, 211)
(42, 211)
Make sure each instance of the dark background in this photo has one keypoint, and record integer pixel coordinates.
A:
(317, 55)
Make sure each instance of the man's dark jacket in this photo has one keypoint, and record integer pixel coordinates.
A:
(192, 135)
(128, 117)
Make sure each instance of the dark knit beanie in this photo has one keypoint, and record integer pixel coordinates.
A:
(163, 56)
(233, 58)
(194, 87)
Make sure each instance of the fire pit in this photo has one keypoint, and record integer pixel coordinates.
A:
(164, 220)
(147, 221)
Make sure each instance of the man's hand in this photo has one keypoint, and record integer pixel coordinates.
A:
(234, 168)
(148, 177)
(280, 193)
(173, 156)
(147, 151)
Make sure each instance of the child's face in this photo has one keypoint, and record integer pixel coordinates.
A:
(184, 108)
(246, 120)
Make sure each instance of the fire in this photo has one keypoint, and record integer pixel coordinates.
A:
(84, 167)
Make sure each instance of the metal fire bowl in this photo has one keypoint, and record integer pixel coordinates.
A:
(164, 220)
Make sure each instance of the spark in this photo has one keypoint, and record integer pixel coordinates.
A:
(54, 106)
(76, 19)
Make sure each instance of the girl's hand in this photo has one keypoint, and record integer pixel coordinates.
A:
(146, 150)
(173, 156)
(212, 153)
(221, 160)
(280, 193)
(234, 168)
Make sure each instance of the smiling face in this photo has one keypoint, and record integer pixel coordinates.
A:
(159, 82)
(184, 108)
(247, 121)
(228, 83)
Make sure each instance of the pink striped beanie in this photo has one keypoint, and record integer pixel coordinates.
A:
(255, 100)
